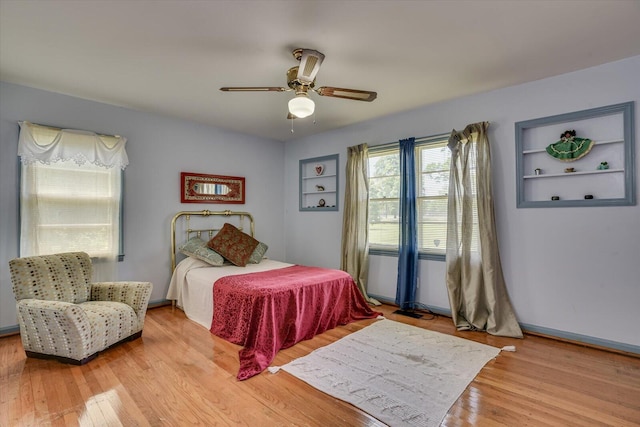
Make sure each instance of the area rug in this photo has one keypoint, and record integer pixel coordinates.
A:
(400, 374)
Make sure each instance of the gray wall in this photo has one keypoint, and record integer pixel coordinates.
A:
(572, 272)
(159, 148)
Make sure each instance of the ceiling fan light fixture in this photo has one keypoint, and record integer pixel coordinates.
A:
(301, 106)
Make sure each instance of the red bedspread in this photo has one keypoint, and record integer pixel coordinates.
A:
(265, 312)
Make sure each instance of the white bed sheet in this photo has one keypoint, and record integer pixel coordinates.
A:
(192, 285)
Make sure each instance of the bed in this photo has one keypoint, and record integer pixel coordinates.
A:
(265, 305)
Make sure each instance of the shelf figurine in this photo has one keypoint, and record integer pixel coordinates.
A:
(570, 148)
(603, 166)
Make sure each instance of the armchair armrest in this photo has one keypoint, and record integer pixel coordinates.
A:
(66, 325)
(134, 294)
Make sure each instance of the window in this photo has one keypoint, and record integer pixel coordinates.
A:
(70, 208)
(433, 159)
(433, 162)
(69, 202)
(384, 190)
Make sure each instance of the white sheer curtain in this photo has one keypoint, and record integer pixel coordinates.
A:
(475, 283)
(70, 194)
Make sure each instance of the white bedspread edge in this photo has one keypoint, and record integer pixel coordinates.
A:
(192, 282)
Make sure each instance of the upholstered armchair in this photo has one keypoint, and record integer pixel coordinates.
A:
(62, 315)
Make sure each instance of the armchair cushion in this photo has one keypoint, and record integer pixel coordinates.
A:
(81, 318)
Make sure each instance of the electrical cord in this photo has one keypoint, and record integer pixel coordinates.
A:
(421, 308)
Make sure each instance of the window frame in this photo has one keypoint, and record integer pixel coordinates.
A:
(432, 142)
(382, 150)
(120, 257)
(394, 147)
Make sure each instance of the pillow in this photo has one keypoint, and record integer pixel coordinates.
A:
(197, 248)
(233, 244)
(258, 253)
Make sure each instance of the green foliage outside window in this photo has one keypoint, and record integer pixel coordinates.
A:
(432, 172)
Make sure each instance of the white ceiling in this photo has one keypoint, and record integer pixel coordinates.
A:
(171, 57)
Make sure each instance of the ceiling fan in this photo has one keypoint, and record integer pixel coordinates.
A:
(301, 79)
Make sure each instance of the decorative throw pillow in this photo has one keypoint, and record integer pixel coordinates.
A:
(258, 253)
(197, 248)
(233, 244)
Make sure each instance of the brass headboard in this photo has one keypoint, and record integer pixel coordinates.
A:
(198, 231)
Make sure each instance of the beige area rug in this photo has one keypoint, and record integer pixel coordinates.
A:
(400, 374)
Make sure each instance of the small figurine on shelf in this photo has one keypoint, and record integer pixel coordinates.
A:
(569, 147)
(537, 171)
(321, 203)
(319, 187)
(603, 166)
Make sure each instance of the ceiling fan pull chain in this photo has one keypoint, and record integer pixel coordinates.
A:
(292, 131)
(314, 117)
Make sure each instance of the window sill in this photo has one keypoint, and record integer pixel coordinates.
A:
(98, 258)
(394, 253)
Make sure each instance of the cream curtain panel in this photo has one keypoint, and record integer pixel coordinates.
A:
(475, 283)
(355, 223)
(70, 194)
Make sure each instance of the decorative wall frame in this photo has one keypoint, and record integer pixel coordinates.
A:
(604, 177)
(319, 183)
(203, 188)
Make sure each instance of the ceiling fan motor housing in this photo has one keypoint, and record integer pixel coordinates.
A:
(295, 84)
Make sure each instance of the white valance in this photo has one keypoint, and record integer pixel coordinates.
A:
(48, 145)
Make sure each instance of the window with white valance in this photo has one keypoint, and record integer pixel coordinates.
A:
(71, 194)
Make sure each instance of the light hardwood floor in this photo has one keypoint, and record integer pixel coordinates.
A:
(178, 374)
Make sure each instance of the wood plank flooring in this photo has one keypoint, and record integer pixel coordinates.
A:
(178, 374)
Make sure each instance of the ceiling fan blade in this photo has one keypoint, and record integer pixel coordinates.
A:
(309, 65)
(254, 89)
(357, 95)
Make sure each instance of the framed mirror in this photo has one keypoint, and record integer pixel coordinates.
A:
(202, 188)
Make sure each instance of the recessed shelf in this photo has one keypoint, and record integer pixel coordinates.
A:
(611, 129)
(567, 174)
(544, 150)
(318, 177)
(315, 173)
(318, 192)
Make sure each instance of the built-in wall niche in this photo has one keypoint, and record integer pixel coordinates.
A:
(604, 176)
(319, 183)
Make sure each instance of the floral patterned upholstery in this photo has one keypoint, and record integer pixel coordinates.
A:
(63, 315)
(233, 245)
